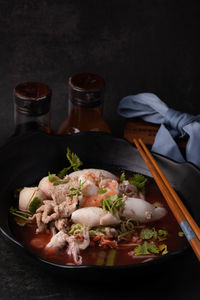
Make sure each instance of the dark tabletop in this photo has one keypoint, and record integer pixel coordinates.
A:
(150, 46)
(23, 278)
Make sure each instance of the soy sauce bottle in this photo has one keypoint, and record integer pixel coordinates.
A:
(32, 102)
(85, 104)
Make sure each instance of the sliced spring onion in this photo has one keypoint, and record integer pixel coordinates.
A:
(21, 222)
(128, 245)
(51, 177)
(112, 204)
(101, 258)
(21, 214)
(125, 233)
(34, 205)
(111, 257)
(180, 233)
(157, 204)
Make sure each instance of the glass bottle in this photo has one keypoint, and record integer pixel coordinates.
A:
(85, 104)
(32, 107)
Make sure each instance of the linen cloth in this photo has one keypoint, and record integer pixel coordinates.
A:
(173, 124)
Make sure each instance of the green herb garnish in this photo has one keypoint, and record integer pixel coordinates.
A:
(34, 205)
(63, 173)
(58, 182)
(74, 161)
(146, 233)
(162, 232)
(21, 217)
(76, 191)
(122, 177)
(157, 204)
(146, 248)
(162, 235)
(139, 181)
(51, 177)
(127, 225)
(102, 191)
(125, 233)
(163, 248)
(181, 233)
(97, 230)
(19, 213)
(111, 257)
(112, 204)
(101, 258)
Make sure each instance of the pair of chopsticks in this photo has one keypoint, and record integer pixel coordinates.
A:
(180, 212)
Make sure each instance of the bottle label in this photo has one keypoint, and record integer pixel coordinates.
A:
(140, 129)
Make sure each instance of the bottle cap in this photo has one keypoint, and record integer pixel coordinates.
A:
(86, 89)
(32, 98)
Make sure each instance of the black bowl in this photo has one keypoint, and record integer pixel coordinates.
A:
(25, 159)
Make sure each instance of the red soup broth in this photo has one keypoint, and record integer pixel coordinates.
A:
(95, 254)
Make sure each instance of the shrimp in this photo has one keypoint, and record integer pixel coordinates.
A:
(95, 189)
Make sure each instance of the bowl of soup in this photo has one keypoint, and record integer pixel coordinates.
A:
(88, 202)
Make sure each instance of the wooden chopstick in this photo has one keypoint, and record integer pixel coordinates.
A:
(187, 215)
(183, 217)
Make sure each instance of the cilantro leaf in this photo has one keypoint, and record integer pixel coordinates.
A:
(74, 161)
(146, 248)
(63, 172)
(155, 234)
(162, 235)
(122, 177)
(139, 181)
(146, 233)
(162, 232)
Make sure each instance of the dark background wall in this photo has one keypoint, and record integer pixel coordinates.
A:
(136, 45)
